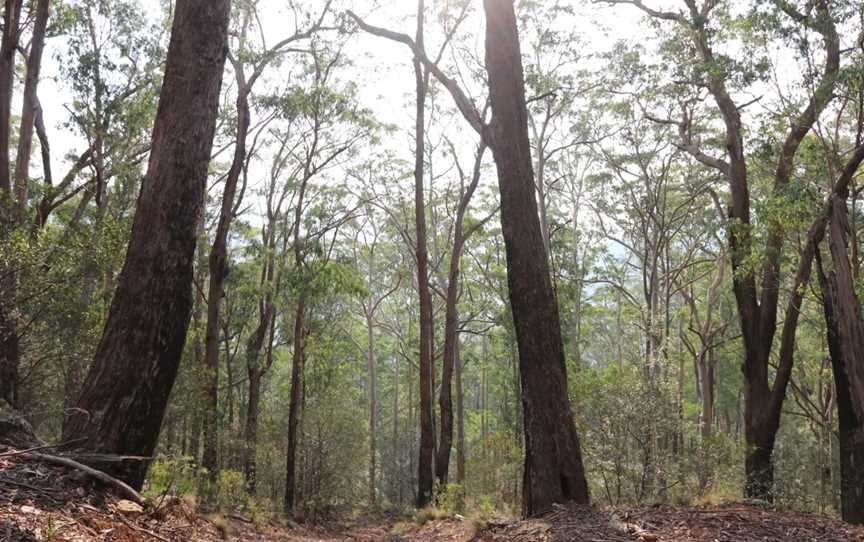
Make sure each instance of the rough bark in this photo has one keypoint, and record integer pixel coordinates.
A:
(128, 385)
(846, 345)
(845, 324)
(294, 403)
(427, 436)
(9, 339)
(553, 459)
(460, 421)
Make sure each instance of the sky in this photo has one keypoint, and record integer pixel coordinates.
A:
(383, 70)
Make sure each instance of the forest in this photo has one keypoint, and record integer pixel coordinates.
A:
(376, 269)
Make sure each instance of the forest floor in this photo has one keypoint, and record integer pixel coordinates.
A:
(40, 502)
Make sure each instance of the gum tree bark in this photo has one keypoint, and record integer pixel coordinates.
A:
(553, 459)
(845, 322)
(427, 432)
(127, 389)
(553, 472)
(9, 342)
(757, 305)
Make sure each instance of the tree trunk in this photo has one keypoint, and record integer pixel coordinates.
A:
(397, 458)
(9, 341)
(31, 104)
(845, 324)
(451, 324)
(250, 432)
(373, 405)
(255, 372)
(218, 265)
(8, 48)
(553, 458)
(294, 402)
(130, 380)
(460, 422)
(427, 435)
(198, 346)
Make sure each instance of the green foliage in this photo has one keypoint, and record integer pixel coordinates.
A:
(172, 476)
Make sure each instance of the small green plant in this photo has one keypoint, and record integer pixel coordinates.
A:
(51, 530)
(231, 490)
(450, 498)
(171, 475)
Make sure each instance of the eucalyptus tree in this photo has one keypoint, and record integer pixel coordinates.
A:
(553, 461)
(13, 189)
(423, 71)
(111, 66)
(130, 380)
(703, 65)
(840, 294)
(331, 128)
(463, 228)
(249, 63)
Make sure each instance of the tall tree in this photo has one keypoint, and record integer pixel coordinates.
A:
(553, 459)
(845, 322)
(246, 74)
(757, 304)
(31, 102)
(451, 318)
(9, 339)
(127, 388)
(421, 254)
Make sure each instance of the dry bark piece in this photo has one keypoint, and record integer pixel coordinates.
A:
(129, 508)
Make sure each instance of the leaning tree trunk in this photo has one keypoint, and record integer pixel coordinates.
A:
(553, 458)
(127, 388)
(845, 325)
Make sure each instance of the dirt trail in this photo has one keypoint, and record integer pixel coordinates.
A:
(39, 502)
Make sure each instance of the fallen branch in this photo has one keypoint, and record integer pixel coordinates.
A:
(44, 447)
(142, 529)
(42, 490)
(124, 488)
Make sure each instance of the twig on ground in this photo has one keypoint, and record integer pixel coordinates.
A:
(43, 447)
(143, 530)
(124, 488)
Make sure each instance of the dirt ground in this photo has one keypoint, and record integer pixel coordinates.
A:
(39, 502)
